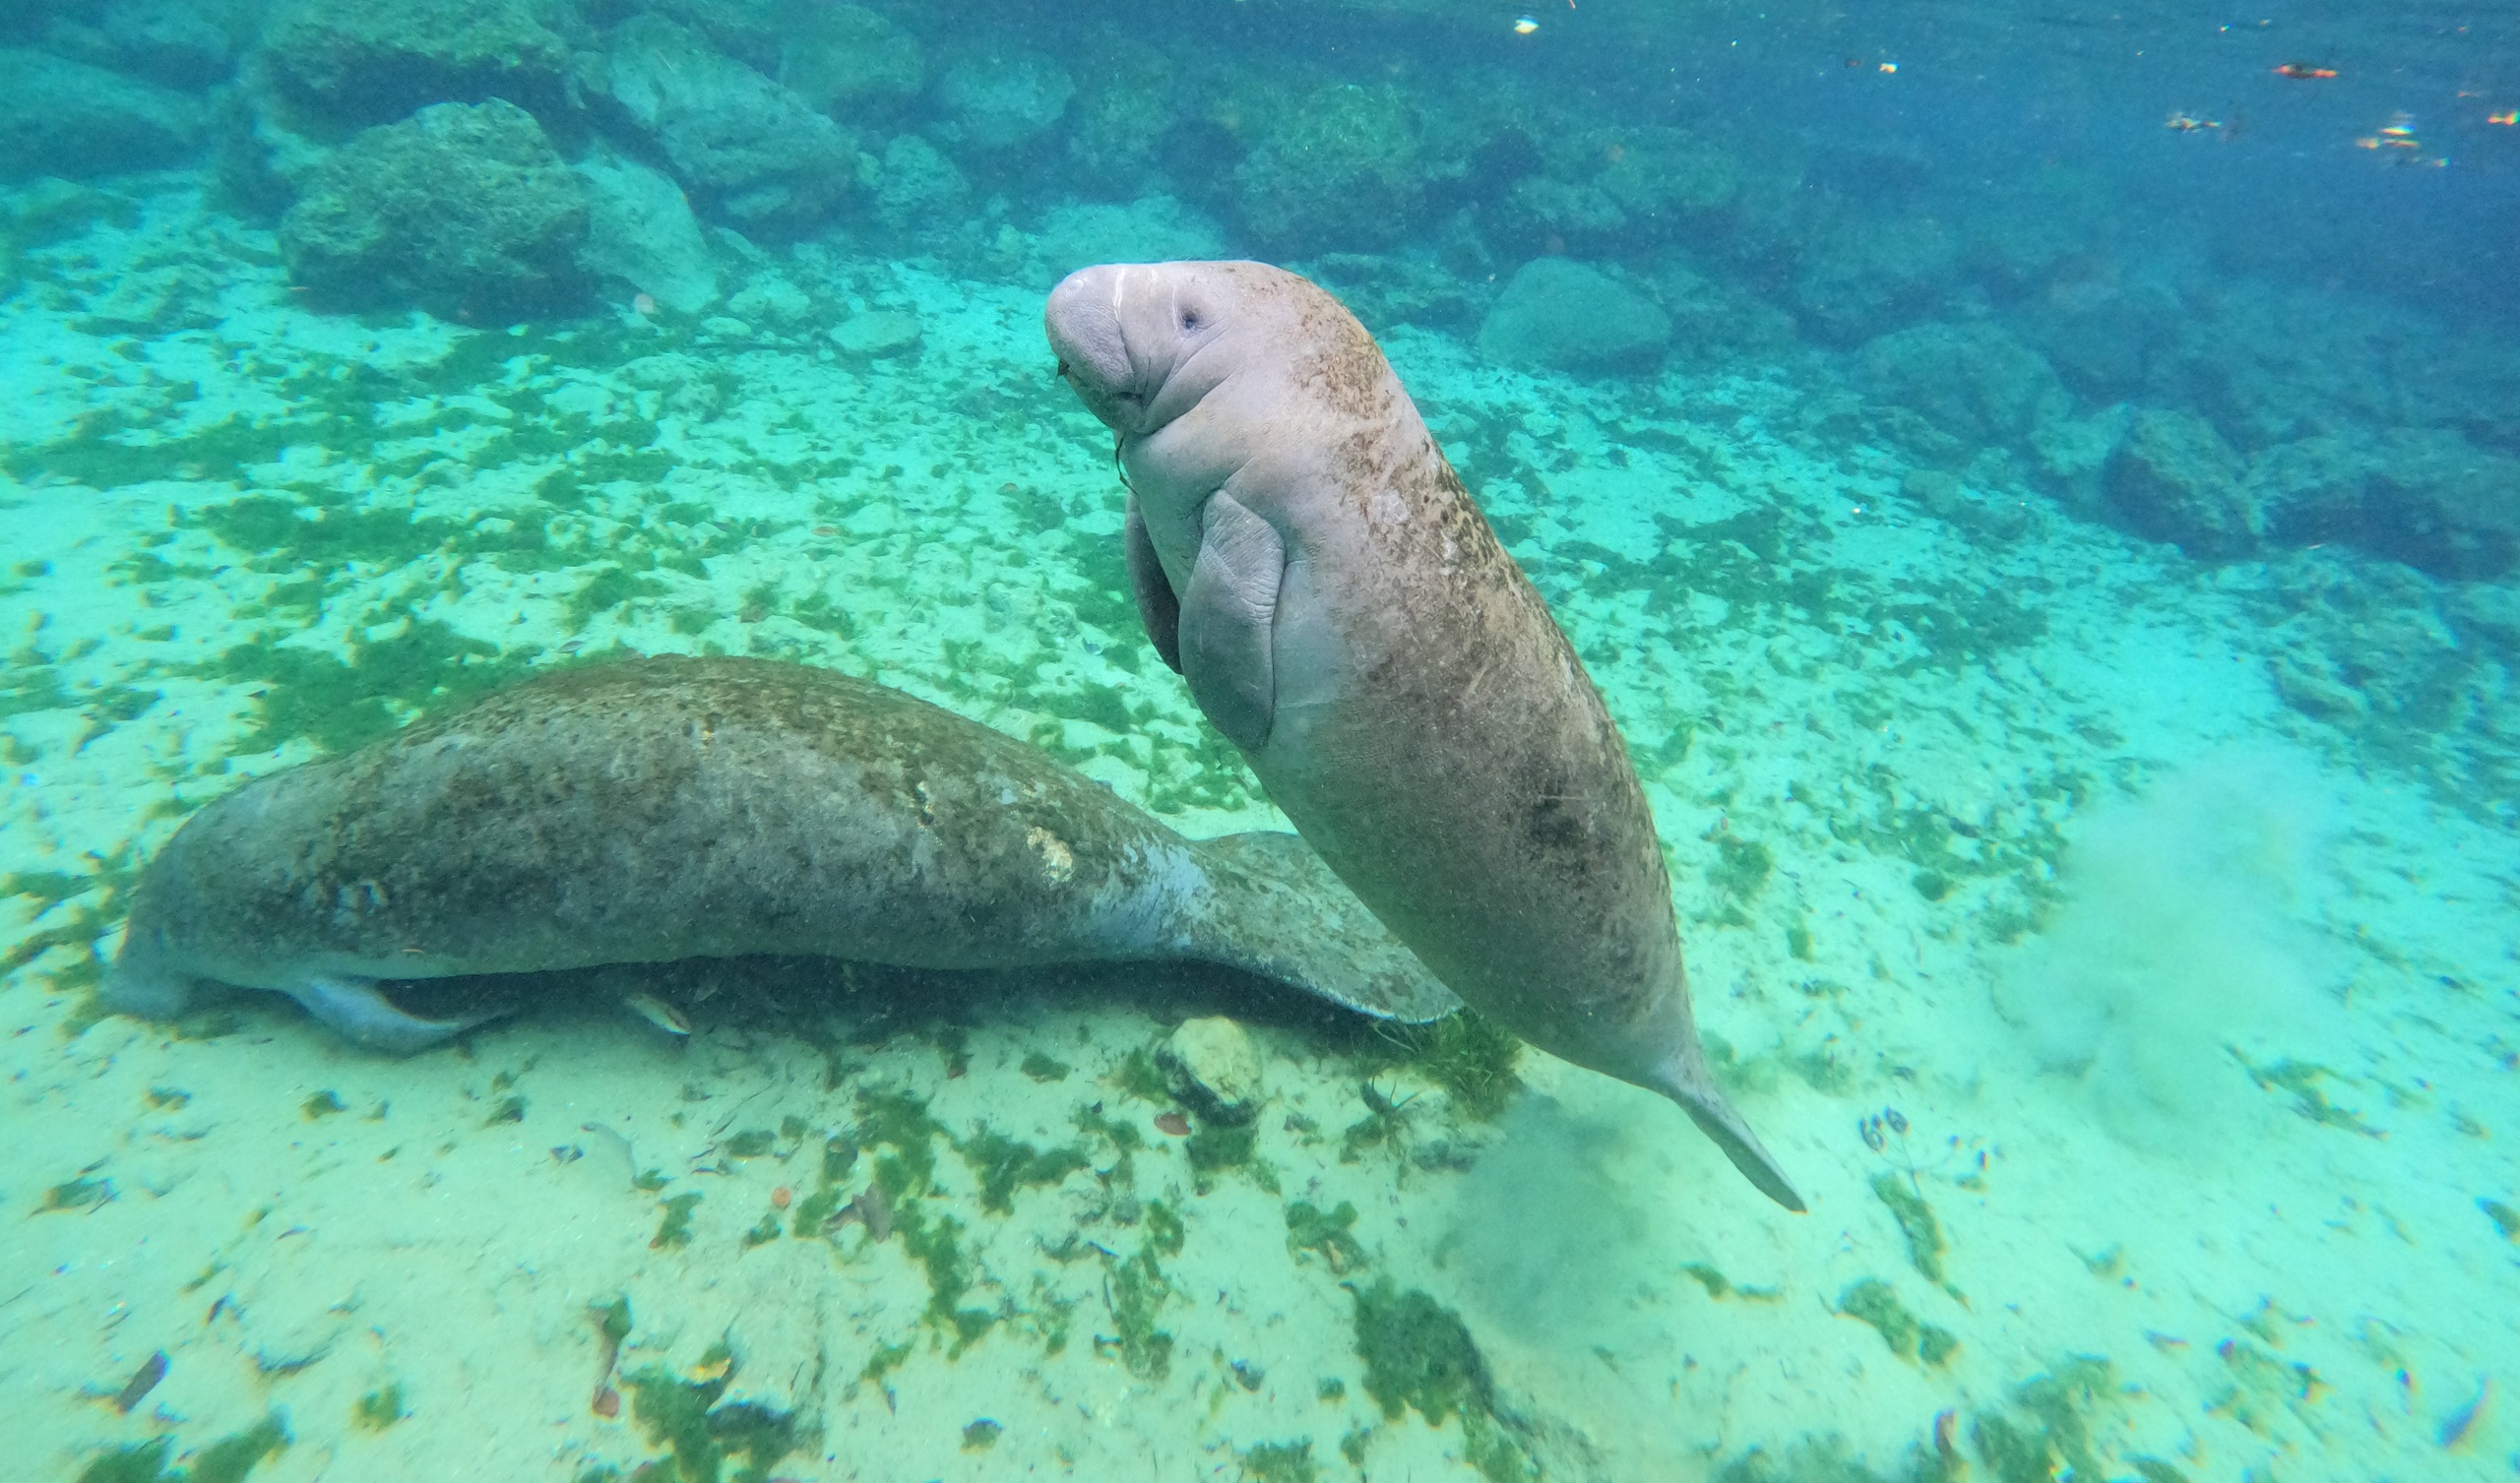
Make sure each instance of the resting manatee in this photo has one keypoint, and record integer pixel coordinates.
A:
(663, 809)
(1310, 564)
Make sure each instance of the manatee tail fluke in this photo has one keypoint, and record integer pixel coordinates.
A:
(1276, 910)
(1687, 1082)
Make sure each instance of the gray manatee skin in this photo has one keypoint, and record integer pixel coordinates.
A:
(656, 810)
(1309, 562)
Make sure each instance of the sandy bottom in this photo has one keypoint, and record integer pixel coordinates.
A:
(2147, 1053)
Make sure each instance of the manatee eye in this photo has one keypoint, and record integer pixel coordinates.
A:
(1189, 319)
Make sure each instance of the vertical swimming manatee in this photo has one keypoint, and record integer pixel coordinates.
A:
(1309, 561)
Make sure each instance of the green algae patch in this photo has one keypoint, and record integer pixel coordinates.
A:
(81, 1194)
(1470, 1056)
(2045, 1432)
(980, 1434)
(1872, 1300)
(1925, 1246)
(1417, 1353)
(1042, 1067)
(1137, 1075)
(341, 706)
(322, 1104)
(1330, 1234)
(1165, 1232)
(378, 1410)
(673, 1231)
(703, 1440)
(278, 534)
(1134, 1289)
(1280, 1462)
(227, 1461)
(1004, 1165)
(2301, 1080)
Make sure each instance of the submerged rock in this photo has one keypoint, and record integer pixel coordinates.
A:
(1973, 380)
(464, 209)
(876, 333)
(999, 100)
(1341, 166)
(59, 117)
(641, 231)
(917, 187)
(1561, 316)
(846, 60)
(1218, 1055)
(377, 60)
(179, 43)
(2175, 478)
(748, 150)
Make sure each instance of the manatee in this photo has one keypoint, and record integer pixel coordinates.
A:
(1310, 564)
(654, 810)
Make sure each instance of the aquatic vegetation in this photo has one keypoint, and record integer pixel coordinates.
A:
(1220, 1145)
(81, 1194)
(322, 1104)
(1042, 1067)
(378, 1410)
(1470, 1056)
(2047, 1425)
(673, 1231)
(1875, 1303)
(701, 1435)
(1134, 1290)
(2300, 1078)
(1332, 1234)
(1165, 1232)
(226, 1460)
(2505, 1220)
(980, 1434)
(1140, 1077)
(1915, 1222)
(1417, 1354)
(1003, 1164)
(1280, 1462)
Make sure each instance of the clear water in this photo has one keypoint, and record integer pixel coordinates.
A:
(2038, 487)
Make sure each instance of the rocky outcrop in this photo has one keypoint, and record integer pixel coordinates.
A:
(2176, 479)
(748, 151)
(184, 44)
(641, 231)
(1559, 315)
(465, 210)
(1001, 101)
(377, 60)
(851, 62)
(1971, 380)
(59, 117)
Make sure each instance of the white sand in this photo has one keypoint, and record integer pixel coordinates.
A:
(2273, 1295)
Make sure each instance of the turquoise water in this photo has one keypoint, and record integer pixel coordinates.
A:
(2036, 489)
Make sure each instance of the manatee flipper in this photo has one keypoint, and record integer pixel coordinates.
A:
(1158, 608)
(1687, 1079)
(1274, 909)
(1226, 617)
(367, 1018)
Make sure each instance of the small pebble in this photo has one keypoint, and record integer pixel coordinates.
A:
(779, 1198)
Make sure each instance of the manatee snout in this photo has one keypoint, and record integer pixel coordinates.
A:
(141, 981)
(1128, 337)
